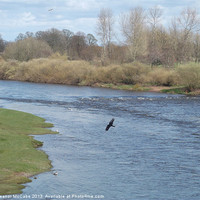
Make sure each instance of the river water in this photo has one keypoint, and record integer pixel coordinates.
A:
(152, 153)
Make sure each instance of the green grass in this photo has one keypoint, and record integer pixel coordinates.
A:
(136, 87)
(19, 158)
(177, 90)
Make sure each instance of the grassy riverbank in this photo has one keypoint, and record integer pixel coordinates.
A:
(132, 76)
(19, 158)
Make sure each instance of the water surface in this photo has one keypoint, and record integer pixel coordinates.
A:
(152, 153)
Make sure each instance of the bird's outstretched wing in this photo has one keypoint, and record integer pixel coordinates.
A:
(107, 127)
(110, 124)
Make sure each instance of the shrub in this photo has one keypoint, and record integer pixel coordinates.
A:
(27, 49)
(189, 76)
(8, 69)
(133, 73)
(121, 74)
(162, 77)
(53, 71)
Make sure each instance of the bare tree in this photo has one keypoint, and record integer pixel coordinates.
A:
(182, 30)
(105, 32)
(189, 21)
(55, 38)
(27, 49)
(196, 44)
(133, 29)
(68, 36)
(77, 45)
(153, 19)
(2, 44)
(91, 40)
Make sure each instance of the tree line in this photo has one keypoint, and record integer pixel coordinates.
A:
(144, 39)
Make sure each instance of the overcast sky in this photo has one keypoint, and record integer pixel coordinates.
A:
(19, 16)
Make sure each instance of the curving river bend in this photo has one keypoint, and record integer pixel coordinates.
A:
(153, 153)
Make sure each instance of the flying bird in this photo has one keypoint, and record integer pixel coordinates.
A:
(50, 9)
(110, 124)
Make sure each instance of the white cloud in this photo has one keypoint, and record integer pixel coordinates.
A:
(86, 25)
(82, 5)
(59, 16)
(27, 17)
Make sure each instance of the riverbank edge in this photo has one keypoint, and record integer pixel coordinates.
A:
(134, 88)
(20, 158)
(177, 89)
(160, 89)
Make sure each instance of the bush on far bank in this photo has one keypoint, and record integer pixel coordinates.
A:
(59, 70)
(160, 76)
(189, 76)
(27, 49)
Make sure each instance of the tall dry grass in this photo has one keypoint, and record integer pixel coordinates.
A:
(58, 69)
(52, 71)
(162, 77)
(189, 75)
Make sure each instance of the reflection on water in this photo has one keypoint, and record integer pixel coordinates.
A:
(152, 153)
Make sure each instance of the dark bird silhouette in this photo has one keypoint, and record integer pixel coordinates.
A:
(50, 9)
(110, 124)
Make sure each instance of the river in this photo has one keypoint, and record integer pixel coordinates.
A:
(152, 153)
